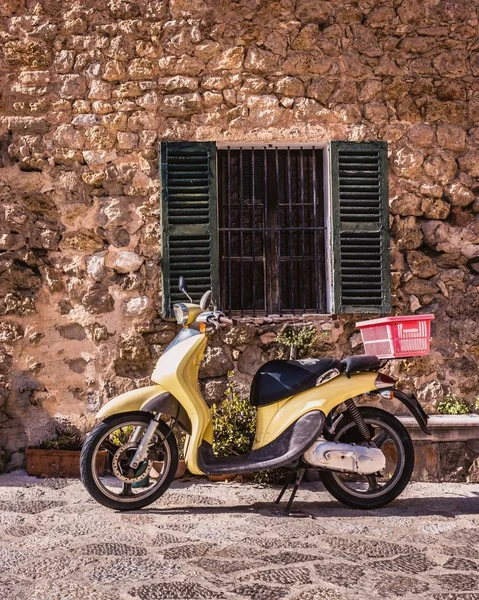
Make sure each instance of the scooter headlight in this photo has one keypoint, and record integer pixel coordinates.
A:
(181, 313)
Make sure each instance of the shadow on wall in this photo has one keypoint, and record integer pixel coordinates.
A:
(17, 407)
(5, 140)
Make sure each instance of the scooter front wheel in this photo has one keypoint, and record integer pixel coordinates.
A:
(105, 462)
(379, 489)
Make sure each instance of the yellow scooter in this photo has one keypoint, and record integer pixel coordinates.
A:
(365, 455)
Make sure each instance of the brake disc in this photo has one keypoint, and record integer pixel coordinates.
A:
(121, 465)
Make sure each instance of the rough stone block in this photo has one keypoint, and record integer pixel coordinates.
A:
(72, 87)
(179, 84)
(93, 157)
(27, 53)
(229, 60)
(127, 141)
(28, 125)
(426, 467)
(136, 306)
(179, 105)
(217, 361)
(455, 460)
(114, 71)
(141, 68)
(124, 261)
(451, 137)
(99, 90)
(97, 300)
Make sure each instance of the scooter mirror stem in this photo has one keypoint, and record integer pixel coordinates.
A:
(182, 287)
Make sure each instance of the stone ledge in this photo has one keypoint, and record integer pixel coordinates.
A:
(451, 452)
(445, 428)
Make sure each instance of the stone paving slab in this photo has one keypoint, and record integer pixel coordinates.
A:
(229, 541)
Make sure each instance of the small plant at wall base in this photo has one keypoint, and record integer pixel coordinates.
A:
(452, 405)
(298, 341)
(67, 437)
(59, 456)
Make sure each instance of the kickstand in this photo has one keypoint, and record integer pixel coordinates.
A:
(297, 476)
(289, 480)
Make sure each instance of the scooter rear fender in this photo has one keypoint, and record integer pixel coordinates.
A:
(153, 398)
(387, 385)
(410, 402)
(417, 411)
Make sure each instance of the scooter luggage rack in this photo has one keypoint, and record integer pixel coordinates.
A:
(396, 337)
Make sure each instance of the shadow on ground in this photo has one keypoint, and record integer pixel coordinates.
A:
(409, 507)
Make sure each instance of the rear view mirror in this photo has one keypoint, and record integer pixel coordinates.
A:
(182, 287)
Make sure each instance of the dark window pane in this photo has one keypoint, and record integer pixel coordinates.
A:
(272, 242)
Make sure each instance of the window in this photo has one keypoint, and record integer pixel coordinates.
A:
(252, 224)
(271, 230)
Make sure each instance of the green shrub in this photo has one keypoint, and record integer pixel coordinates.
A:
(452, 405)
(234, 427)
(298, 341)
(272, 476)
(121, 435)
(234, 424)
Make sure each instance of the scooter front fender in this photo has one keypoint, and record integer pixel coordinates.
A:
(153, 398)
(129, 401)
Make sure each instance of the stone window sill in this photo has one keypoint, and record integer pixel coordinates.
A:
(263, 319)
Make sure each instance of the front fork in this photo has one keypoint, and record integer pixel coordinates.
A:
(142, 450)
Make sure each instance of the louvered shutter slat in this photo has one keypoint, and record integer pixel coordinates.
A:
(188, 202)
(360, 227)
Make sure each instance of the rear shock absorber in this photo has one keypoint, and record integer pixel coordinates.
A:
(358, 419)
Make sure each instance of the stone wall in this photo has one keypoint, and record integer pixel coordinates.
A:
(87, 91)
(446, 461)
(450, 452)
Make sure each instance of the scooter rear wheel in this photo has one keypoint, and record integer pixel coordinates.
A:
(105, 457)
(373, 491)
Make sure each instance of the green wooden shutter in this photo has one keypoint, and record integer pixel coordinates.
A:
(189, 220)
(360, 227)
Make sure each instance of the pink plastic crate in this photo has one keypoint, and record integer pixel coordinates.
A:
(397, 337)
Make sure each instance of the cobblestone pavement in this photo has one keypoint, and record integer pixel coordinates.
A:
(205, 540)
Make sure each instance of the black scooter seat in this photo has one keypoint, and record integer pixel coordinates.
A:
(361, 362)
(280, 379)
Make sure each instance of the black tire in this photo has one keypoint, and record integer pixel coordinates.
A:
(90, 448)
(400, 479)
